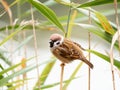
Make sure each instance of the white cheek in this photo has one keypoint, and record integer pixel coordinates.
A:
(56, 45)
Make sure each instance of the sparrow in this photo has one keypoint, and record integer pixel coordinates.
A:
(66, 50)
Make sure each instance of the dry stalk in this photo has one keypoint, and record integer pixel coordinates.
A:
(61, 77)
(35, 45)
(111, 51)
(25, 55)
(117, 22)
(89, 55)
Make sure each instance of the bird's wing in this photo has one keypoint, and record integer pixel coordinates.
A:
(63, 52)
(67, 50)
(79, 46)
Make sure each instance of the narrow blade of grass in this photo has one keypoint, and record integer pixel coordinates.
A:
(72, 76)
(47, 12)
(55, 84)
(12, 34)
(93, 16)
(71, 21)
(9, 69)
(97, 31)
(18, 81)
(7, 8)
(15, 86)
(2, 57)
(23, 43)
(96, 2)
(46, 71)
(105, 23)
(106, 58)
(27, 69)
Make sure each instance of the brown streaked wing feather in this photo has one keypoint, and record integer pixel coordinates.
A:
(69, 50)
(79, 46)
(62, 51)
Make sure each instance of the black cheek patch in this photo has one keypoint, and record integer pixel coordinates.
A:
(51, 44)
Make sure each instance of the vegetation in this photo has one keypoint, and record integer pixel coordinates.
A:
(14, 75)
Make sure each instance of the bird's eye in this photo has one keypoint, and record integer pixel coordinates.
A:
(58, 43)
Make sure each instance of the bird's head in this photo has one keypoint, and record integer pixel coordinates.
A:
(55, 40)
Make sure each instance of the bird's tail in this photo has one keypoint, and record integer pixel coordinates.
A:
(87, 62)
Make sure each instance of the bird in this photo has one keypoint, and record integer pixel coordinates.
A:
(66, 50)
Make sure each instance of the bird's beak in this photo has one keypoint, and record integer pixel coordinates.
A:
(51, 43)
